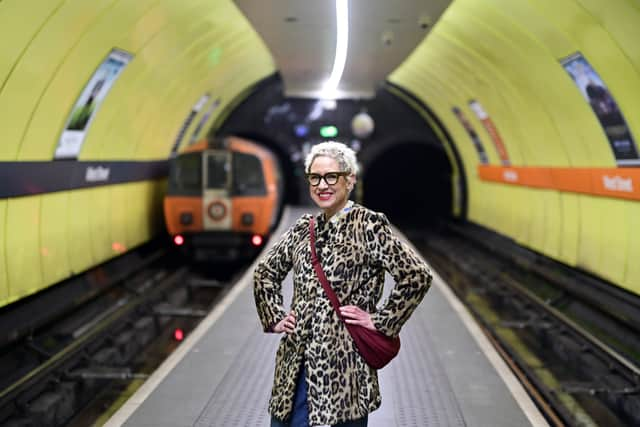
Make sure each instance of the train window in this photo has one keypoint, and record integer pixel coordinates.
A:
(217, 170)
(248, 179)
(185, 175)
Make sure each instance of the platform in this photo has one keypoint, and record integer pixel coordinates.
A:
(447, 373)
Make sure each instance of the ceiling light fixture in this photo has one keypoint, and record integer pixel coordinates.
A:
(342, 42)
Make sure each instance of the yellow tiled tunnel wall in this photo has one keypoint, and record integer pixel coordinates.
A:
(181, 50)
(507, 55)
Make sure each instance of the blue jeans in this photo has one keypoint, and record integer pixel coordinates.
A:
(300, 414)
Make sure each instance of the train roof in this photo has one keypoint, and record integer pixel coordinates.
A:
(233, 143)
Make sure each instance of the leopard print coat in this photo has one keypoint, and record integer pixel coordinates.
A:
(354, 253)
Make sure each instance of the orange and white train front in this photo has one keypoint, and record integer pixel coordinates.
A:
(222, 199)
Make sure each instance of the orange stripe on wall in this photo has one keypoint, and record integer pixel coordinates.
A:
(537, 177)
(574, 180)
(623, 183)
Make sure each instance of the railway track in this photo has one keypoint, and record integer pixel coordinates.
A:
(55, 374)
(573, 350)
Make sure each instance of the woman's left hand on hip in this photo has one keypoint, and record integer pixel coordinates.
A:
(354, 315)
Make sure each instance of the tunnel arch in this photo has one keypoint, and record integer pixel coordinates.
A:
(410, 181)
(265, 114)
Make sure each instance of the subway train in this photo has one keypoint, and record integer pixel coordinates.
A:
(223, 199)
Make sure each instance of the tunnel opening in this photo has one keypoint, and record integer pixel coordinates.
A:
(411, 183)
(290, 126)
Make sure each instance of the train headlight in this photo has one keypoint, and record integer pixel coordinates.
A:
(178, 240)
(186, 218)
(247, 219)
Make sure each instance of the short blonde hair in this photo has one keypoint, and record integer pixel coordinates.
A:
(338, 151)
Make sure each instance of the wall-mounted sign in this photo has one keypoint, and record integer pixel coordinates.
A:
(202, 101)
(483, 116)
(620, 183)
(605, 108)
(87, 104)
(472, 134)
(97, 173)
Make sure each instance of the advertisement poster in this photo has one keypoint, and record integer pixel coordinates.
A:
(483, 116)
(202, 101)
(203, 120)
(88, 103)
(606, 109)
(472, 134)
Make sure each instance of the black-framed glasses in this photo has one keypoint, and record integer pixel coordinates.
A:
(330, 178)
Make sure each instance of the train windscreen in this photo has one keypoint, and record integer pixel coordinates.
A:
(217, 170)
(185, 175)
(248, 178)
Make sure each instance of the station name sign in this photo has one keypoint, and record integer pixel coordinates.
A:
(97, 174)
(607, 182)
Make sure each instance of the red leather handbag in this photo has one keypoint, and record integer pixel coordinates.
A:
(375, 348)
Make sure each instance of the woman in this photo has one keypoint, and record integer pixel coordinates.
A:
(320, 378)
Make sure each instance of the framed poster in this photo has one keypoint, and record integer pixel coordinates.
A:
(88, 103)
(604, 106)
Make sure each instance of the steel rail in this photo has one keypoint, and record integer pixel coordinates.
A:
(479, 266)
(78, 344)
(572, 325)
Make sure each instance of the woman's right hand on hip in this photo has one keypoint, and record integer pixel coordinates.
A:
(287, 324)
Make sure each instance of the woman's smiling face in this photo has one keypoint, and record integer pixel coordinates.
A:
(329, 197)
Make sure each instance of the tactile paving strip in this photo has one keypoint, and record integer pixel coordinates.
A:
(242, 396)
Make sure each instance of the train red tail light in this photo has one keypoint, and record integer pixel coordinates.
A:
(178, 240)
(256, 240)
(178, 334)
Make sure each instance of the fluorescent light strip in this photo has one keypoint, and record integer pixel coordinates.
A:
(342, 43)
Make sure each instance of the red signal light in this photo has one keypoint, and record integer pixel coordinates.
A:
(256, 240)
(178, 334)
(178, 240)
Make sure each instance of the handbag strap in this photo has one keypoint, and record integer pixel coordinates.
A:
(319, 272)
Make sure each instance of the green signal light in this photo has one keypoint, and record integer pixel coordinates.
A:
(328, 131)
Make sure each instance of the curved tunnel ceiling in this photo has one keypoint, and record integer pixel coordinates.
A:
(514, 58)
(302, 39)
(180, 52)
